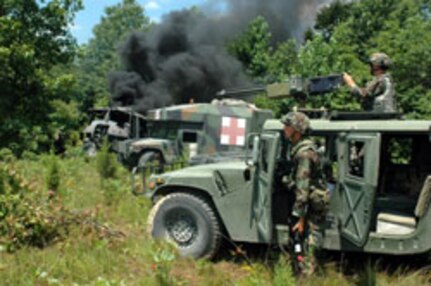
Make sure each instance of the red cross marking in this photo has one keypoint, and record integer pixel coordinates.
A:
(233, 131)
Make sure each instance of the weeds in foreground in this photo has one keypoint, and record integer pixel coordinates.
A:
(163, 257)
(283, 274)
(106, 244)
(26, 218)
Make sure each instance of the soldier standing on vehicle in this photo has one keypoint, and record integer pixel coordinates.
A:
(307, 178)
(379, 94)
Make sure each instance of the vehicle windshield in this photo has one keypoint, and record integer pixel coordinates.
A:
(168, 129)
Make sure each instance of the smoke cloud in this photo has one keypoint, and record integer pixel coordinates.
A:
(184, 58)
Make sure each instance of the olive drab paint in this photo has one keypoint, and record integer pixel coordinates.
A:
(374, 192)
(201, 129)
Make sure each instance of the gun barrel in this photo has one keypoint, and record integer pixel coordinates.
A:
(292, 87)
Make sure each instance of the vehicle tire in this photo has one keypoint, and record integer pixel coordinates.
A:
(189, 222)
(90, 149)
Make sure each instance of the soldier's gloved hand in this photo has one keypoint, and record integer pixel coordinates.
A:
(299, 226)
(348, 80)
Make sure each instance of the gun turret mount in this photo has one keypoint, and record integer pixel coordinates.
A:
(297, 87)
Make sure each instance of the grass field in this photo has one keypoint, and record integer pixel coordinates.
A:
(108, 245)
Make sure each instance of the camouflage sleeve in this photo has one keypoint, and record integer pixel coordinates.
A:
(302, 180)
(385, 96)
(359, 92)
(372, 89)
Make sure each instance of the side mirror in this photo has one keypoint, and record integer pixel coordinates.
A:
(253, 143)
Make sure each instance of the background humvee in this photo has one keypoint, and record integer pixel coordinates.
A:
(205, 131)
(112, 123)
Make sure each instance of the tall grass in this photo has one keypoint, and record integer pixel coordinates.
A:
(111, 246)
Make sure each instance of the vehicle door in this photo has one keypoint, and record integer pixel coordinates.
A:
(358, 162)
(262, 189)
(190, 139)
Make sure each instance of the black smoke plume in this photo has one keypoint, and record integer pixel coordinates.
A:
(184, 57)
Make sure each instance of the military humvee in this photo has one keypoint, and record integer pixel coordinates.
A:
(112, 123)
(379, 176)
(209, 132)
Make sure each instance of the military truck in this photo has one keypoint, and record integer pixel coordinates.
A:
(379, 174)
(206, 131)
(112, 123)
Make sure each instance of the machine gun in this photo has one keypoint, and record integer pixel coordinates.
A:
(297, 87)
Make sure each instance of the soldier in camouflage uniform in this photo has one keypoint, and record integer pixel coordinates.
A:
(311, 194)
(379, 94)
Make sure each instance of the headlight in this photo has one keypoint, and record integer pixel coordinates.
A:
(152, 185)
(154, 182)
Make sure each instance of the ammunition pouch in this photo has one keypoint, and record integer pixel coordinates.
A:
(319, 201)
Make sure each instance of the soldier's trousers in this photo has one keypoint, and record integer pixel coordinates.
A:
(313, 243)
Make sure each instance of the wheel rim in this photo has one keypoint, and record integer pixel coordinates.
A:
(181, 227)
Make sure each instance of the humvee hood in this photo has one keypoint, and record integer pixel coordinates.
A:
(216, 179)
(205, 170)
(149, 142)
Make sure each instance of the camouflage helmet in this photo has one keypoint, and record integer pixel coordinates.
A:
(380, 60)
(298, 120)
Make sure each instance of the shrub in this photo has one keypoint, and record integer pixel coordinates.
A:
(29, 155)
(26, 218)
(7, 155)
(74, 152)
(53, 174)
(112, 190)
(106, 162)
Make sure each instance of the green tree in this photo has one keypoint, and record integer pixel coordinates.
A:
(253, 48)
(331, 16)
(284, 60)
(34, 40)
(405, 40)
(100, 55)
